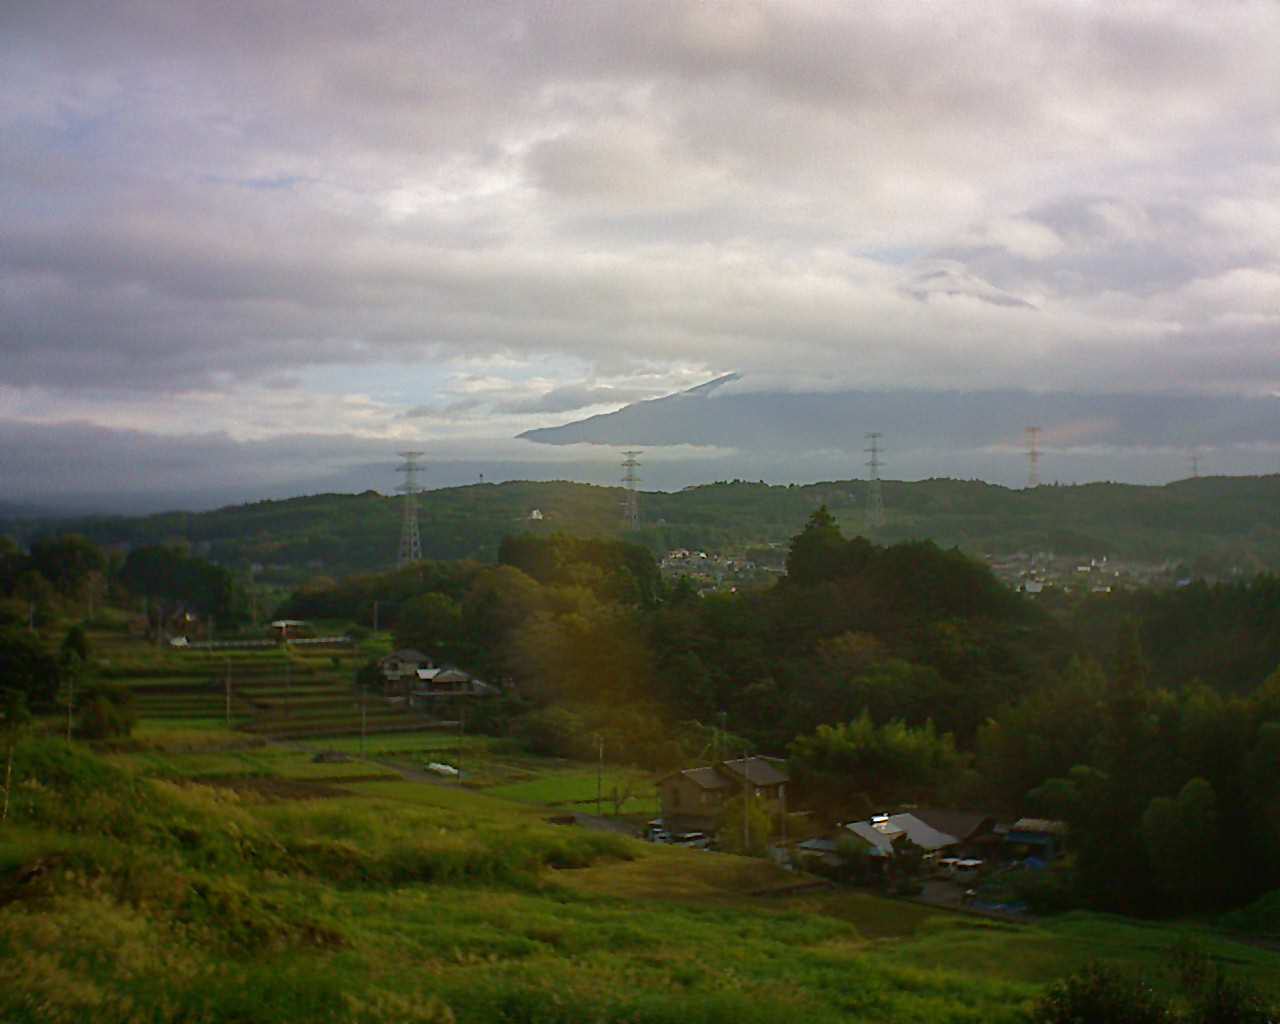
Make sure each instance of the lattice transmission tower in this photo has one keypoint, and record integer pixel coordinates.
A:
(1033, 456)
(630, 500)
(410, 541)
(875, 500)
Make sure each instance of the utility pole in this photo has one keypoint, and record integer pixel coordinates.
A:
(71, 699)
(1033, 457)
(746, 803)
(599, 770)
(364, 715)
(228, 692)
(288, 680)
(462, 729)
(375, 615)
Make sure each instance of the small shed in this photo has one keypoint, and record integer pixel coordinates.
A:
(1035, 837)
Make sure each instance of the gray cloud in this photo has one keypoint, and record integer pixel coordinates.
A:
(226, 197)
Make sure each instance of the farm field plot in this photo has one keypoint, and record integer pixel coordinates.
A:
(580, 788)
(407, 745)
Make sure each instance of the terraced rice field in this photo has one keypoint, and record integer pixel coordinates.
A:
(278, 692)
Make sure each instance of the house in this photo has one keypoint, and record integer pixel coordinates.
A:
(402, 664)
(434, 684)
(884, 834)
(976, 832)
(1035, 837)
(287, 629)
(400, 669)
(692, 798)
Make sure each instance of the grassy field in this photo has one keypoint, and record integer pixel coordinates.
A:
(125, 897)
(197, 873)
(573, 788)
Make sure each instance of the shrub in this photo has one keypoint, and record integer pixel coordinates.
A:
(108, 712)
(1044, 892)
(1260, 918)
(1099, 994)
(1223, 1001)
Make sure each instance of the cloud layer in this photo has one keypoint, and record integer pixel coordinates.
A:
(441, 220)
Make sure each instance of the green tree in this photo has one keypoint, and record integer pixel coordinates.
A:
(816, 553)
(17, 719)
(744, 826)
(1184, 845)
(894, 761)
(67, 562)
(75, 642)
(431, 623)
(27, 667)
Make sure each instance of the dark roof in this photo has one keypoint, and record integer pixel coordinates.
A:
(406, 654)
(453, 675)
(961, 824)
(707, 778)
(760, 771)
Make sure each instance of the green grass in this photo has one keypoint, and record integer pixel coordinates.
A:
(581, 788)
(148, 897)
(407, 901)
(403, 744)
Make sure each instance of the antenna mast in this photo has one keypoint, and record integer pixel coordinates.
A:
(875, 500)
(630, 500)
(1194, 458)
(410, 541)
(1033, 456)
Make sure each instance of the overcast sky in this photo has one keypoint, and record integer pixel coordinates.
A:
(263, 242)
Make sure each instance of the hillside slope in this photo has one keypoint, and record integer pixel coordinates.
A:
(1223, 522)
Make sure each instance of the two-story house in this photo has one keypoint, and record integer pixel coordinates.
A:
(692, 798)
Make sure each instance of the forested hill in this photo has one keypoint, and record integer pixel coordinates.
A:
(1214, 524)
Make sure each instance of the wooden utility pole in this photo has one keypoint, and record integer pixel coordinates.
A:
(227, 692)
(364, 716)
(599, 770)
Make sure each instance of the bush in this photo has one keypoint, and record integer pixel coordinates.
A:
(1261, 918)
(1099, 994)
(554, 731)
(1226, 1002)
(1044, 892)
(107, 712)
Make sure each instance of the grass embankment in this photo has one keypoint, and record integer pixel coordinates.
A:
(124, 897)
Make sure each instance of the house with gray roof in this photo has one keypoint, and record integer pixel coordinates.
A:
(692, 798)
(436, 684)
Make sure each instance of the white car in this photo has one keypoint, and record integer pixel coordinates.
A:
(440, 768)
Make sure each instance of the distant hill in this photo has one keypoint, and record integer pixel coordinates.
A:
(1216, 523)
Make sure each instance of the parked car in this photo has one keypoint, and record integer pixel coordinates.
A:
(693, 840)
(656, 832)
(442, 769)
